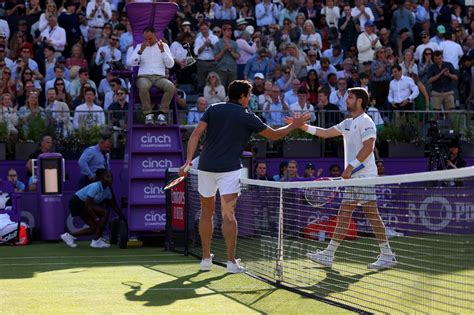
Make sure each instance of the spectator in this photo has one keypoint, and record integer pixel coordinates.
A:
(311, 84)
(335, 55)
(58, 112)
(441, 76)
(51, 10)
(107, 54)
(403, 18)
(310, 11)
(119, 109)
(296, 60)
(310, 39)
(76, 85)
(203, 50)
(266, 96)
(226, 11)
(425, 43)
(329, 113)
(362, 13)
(195, 113)
(346, 71)
(31, 109)
(88, 114)
(111, 96)
(339, 96)
(266, 13)
(275, 110)
(291, 97)
(261, 172)
(18, 185)
(45, 146)
(9, 116)
(313, 63)
(380, 167)
(452, 51)
(367, 43)
(454, 159)
(282, 171)
(465, 83)
(61, 93)
(214, 91)
(291, 172)
(348, 27)
(54, 35)
(93, 158)
(226, 53)
(179, 51)
(408, 65)
(334, 170)
(381, 76)
(332, 13)
(441, 14)
(98, 12)
(403, 90)
(302, 105)
(309, 172)
(259, 63)
(425, 63)
(439, 37)
(58, 75)
(69, 21)
(80, 99)
(76, 58)
(154, 57)
(257, 90)
(325, 69)
(247, 49)
(90, 204)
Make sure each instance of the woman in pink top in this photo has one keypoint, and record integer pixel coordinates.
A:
(77, 58)
(246, 48)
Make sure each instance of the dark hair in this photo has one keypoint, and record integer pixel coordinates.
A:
(50, 48)
(282, 165)
(120, 27)
(116, 81)
(83, 70)
(334, 166)
(100, 172)
(379, 161)
(149, 29)
(89, 89)
(396, 66)
(302, 90)
(438, 53)
(362, 94)
(237, 88)
(324, 91)
(364, 75)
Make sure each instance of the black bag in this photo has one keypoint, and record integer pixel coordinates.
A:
(117, 65)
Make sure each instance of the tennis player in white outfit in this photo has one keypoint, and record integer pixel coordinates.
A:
(359, 134)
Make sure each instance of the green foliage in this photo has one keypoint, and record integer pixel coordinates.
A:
(3, 132)
(401, 129)
(299, 135)
(37, 128)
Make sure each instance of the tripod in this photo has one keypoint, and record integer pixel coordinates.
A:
(438, 156)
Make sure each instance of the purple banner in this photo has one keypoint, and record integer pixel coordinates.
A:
(155, 140)
(154, 165)
(147, 191)
(147, 218)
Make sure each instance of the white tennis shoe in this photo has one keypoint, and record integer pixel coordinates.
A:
(68, 239)
(100, 243)
(321, 257)
(206, 263)
(235, 268)
(383, 261)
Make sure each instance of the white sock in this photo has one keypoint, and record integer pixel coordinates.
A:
(332, 247)
(385, 248)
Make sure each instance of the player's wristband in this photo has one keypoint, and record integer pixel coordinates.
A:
(355, 163)
(312, 130)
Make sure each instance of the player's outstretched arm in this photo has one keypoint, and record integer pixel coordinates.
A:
(317, 131)
(275, 134)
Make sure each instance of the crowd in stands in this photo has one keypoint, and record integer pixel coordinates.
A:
(301, 55)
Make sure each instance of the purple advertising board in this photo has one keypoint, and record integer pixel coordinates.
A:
(147, 218)
(148, 140)
(153, 164)
(147, 191)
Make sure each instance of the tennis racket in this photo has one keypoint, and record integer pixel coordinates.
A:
(319, 197)
(177, 180)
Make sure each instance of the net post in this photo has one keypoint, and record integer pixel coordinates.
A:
(279, 258)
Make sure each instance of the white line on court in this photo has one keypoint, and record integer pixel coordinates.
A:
(90, 256)
(162, 262)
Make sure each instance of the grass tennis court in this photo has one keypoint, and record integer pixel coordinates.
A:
(48, 278)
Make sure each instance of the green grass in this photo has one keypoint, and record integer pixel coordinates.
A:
(49, 278)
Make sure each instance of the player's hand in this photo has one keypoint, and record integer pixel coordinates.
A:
(299, 120)
(347, 172)
(184, 170)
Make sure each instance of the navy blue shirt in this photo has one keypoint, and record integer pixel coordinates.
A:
(229, 127)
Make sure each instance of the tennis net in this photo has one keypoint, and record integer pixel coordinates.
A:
(429, 219)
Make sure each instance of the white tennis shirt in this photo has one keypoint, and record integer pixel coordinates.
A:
(355, 132)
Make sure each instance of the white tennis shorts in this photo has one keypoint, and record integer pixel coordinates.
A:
(227, 183)
(361, 194)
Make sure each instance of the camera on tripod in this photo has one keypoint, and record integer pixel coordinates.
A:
(438, 146)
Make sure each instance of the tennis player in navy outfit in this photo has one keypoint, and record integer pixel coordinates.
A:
(90, 204)
(229, 127)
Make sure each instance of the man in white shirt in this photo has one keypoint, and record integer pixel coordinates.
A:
(335, 55)
(108, 53)
(154, 57)
(452, 51)
(54, 35)
(267, 13)
(302, 105)
(362, 13)
(403, 90)
(425, 43)
(359, 135)
(367, 43)
(88, 114)
(98, 12)
(204, 50)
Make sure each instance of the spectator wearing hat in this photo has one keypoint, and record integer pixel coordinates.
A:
(309, 172)
(439, 37)
(241, 25)
(203, 50)
(367, 43)
(226, 53)
(267, 13)
(247, 49)
(302, 105)
(4, 28)
(54, 35)
(259, 63)
(259, 84)
(425, 43)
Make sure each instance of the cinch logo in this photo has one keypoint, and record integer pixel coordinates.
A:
(155, 141)
(152, 218)
(151, 191)
(151, 163)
